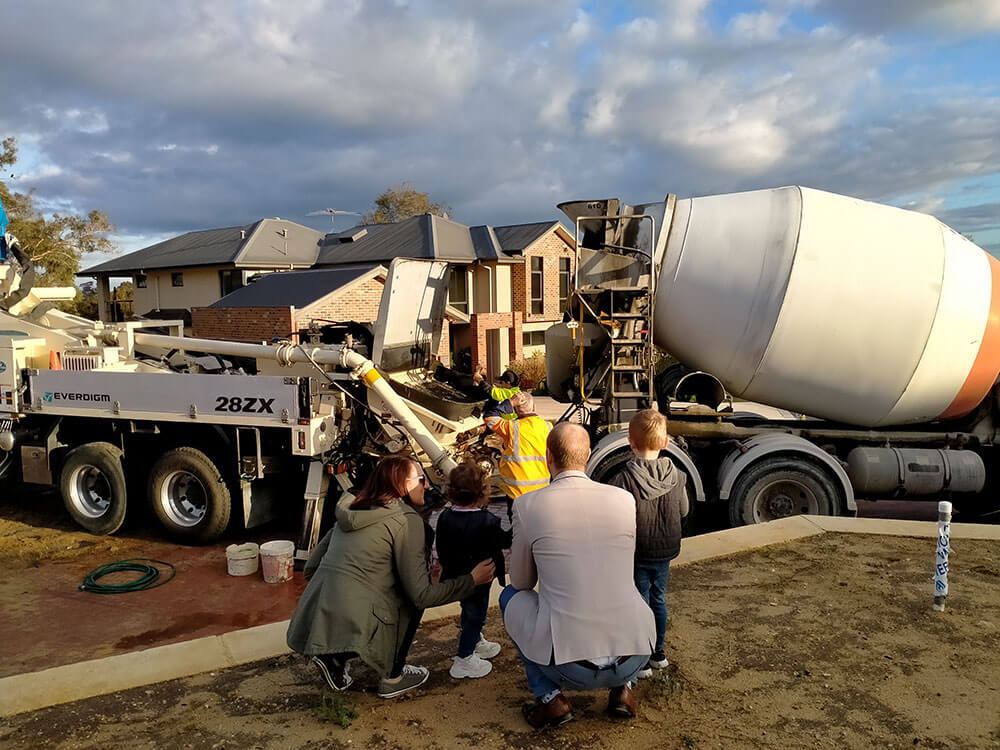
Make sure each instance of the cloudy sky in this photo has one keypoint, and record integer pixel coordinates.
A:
(190, 115)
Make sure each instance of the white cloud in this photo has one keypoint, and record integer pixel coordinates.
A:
(223, 111)
(764, 26)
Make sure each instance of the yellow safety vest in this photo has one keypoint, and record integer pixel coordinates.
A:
(522, 466)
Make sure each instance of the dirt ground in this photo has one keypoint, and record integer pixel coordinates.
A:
(826, 642)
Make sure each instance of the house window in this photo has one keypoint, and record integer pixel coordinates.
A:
(536, 285)
(563, 282)
(534, 338)
(140, 280)
(458, 289)
(177, 278)
(230, 281)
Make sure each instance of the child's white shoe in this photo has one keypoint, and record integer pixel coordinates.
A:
(486, 649)
(469, 666)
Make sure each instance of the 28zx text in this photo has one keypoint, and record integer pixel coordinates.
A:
(249, 405)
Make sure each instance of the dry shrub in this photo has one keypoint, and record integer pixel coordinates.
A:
(531, 370)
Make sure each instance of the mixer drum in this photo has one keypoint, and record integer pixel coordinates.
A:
(831, 306)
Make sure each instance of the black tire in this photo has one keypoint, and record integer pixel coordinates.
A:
(189, 496)
(93, 489)
(782, 486)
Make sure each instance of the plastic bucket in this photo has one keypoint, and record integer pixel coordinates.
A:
(241, 559)
(277, 559)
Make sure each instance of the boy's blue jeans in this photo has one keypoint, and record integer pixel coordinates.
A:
(474, 610)
(546, 678)
(651, 580)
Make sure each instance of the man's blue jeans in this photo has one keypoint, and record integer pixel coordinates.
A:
(545, 678)
(651, 580)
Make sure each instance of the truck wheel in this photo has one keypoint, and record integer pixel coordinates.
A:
(92, 485)
(779, 487)
(189, 496)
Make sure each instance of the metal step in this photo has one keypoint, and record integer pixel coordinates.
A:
(629, 368)
(628, 342)
(627, 316)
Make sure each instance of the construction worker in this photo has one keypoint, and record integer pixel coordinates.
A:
(498, 395)
(522, 465)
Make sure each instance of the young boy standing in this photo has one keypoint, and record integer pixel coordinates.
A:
(659, 489)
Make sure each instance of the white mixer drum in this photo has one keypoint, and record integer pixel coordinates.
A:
(831, 306)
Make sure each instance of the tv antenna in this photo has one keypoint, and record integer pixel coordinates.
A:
(334, 213)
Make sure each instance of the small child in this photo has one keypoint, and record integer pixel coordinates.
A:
(661, 500)
(467, 533)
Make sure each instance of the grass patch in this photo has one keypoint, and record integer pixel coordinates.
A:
(688, 740)
(335, 709)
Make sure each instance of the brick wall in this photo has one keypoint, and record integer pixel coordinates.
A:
(550, 248)
(483, 322)
(360, 304)
(252, 324)
(444, 348)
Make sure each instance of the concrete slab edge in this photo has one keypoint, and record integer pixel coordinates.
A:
(72, 682)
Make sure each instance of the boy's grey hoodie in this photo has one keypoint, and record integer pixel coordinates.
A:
(659, 489)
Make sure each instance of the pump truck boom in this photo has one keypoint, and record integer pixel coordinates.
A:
(875, 331)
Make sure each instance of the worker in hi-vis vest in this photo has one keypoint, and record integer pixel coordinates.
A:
(522, 465)
(498, 395)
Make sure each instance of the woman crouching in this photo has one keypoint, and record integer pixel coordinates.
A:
(368, 583)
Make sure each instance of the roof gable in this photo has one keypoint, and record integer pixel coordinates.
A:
(515, 238)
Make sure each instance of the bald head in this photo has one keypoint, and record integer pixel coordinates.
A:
(523, 403)
(568, 448)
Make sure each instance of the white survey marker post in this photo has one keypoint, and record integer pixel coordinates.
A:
(941, 556)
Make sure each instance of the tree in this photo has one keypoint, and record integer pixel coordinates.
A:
(54, 245)
(401, 202)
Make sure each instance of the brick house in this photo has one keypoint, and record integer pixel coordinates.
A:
(541, 281)
(281, 304)
(507, 284)
(480, 319)
(197, 268)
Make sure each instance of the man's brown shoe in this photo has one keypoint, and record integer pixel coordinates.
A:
(622, 702)
(552, 714)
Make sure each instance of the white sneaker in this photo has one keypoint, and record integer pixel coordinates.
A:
(486, 649)
(646, 671)
(469, 666)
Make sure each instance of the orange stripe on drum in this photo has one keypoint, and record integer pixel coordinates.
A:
(984, 370)
(371, 376)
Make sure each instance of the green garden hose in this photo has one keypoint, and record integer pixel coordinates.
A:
(149, 579)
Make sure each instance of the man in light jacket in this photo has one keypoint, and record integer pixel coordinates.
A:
(586, 627)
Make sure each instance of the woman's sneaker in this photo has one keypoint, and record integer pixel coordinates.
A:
(486, 649)
(411, 677)
(334, 673)
(658, 660)
(469, 666)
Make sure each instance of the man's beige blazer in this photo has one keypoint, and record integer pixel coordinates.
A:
(576, 540)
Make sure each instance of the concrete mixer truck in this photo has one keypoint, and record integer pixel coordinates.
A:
(865, 340)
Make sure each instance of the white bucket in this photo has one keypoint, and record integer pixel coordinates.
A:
(277, 559)
(241, 559)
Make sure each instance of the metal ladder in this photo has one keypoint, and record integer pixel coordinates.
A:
(623, 303)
